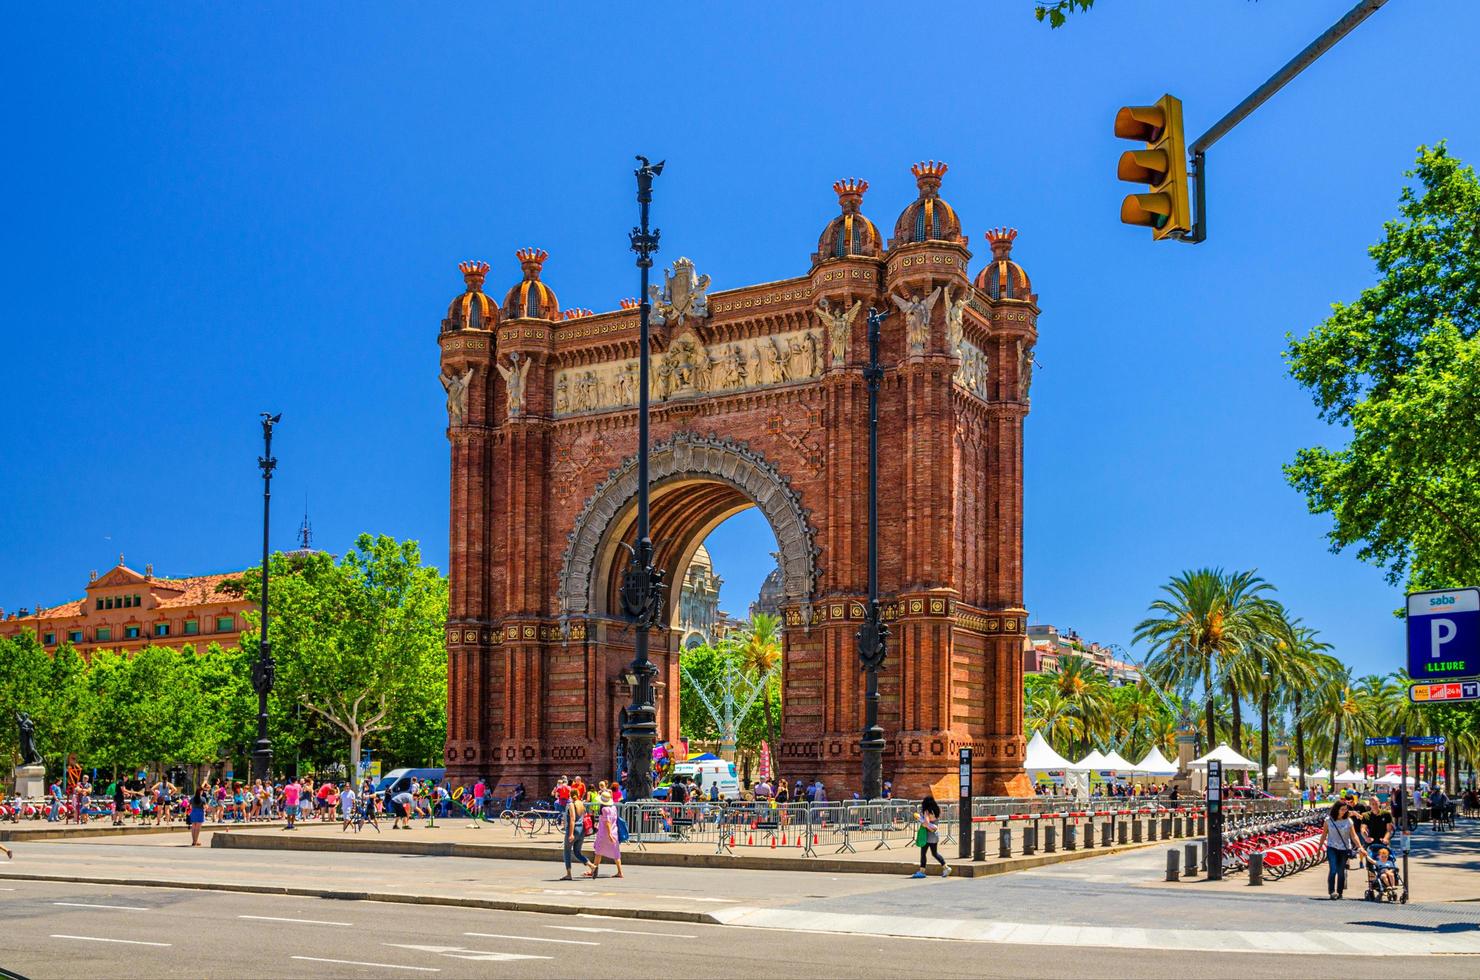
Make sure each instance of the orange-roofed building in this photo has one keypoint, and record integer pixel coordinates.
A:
(126, 610)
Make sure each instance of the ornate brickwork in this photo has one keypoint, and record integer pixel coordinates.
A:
(758, 400)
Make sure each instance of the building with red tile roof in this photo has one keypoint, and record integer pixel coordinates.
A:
(126, 610)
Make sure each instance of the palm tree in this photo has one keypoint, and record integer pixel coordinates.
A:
(1205, 623)
(1338, 707)
(1047, 710)
(760, 654)
(1087, 693)
(1297, 664)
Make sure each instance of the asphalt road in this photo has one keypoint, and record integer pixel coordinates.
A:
(53, 929)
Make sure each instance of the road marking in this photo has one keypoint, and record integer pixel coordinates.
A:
(532, 939)
(89, 905)
(381, 966)
(625, 932)
(462, 953)
(307, 922)
(100, 939)
(695, 898)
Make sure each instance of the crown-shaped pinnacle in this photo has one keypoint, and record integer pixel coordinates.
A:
(928, 174)
(530, 260)
(1001, 241)
(473, 274)
(574, 314)
(628, 303)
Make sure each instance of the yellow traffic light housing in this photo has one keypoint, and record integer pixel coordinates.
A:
(1162, 166)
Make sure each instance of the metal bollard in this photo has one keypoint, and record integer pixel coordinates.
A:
(1122, 832)
(1089, 833)
(979, 846)
(1189, 859)
(1071, 834)
(1050, 838)
(1135, 830)
(1166, 828)
(1256, 868)
(1004, 842)
(1177, 827)
(1202, 825)
(1173, 863)
(1030, 840)
(1151, 828)
(1107, 834)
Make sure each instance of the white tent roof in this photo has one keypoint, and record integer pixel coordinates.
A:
(1320, 774)
(1094, 761)
(1041, 757)
(1350, 777)
(1156, 764)
(1119, 763)
(1225, 755)
(1391, 779)
(1292, 769)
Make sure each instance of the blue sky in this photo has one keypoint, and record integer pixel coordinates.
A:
(213, 211)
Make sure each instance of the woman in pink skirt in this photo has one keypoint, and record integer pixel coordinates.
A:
(607, 843)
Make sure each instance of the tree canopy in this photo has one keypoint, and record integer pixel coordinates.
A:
(1398, 371)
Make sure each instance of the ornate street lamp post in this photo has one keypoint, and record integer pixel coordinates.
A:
(873, 635)
(263, 670)
(642, 586)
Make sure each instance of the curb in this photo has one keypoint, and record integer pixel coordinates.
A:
(43, 833)
(492, 904)
(517, 852)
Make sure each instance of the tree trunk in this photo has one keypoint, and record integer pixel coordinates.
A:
(356, 737)
(1236, 737)
(1299, 742)
(1208, 704)
(770, 731)
(1335, 748)
(1264, 741)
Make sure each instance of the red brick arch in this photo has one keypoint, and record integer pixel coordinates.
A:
(756, 402)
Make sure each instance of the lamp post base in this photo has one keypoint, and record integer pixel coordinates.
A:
(872, 748)
(261, 759)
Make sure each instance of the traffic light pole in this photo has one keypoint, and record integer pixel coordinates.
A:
(1200, 146)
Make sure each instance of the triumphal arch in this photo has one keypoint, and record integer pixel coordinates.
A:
(758, 401)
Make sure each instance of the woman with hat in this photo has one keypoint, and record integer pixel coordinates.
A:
(608, 844)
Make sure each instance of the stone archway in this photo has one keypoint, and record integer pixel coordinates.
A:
(687, 456)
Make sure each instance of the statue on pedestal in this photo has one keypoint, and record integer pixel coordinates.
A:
(29, 755)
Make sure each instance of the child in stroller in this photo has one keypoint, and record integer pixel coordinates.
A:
(1383, 879)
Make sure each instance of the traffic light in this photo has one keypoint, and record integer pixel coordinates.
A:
(1162, 166)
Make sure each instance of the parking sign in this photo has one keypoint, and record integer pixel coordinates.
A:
(1444, 634)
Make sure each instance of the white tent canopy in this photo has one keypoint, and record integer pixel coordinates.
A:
(1319, 774)
(1225, 755)
(1041, 757)
(1391, 779)
(1094, 762)
(1350, 777)
(1156, 764)
(1118, 763)
(1292, 769)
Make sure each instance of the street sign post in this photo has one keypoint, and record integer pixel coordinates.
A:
(964, 779)
(1425, 743)
(1447, 691)
(1215, 820)
(1444, 634)
(1372, 740)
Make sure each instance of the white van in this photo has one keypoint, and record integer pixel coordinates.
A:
(710, 772)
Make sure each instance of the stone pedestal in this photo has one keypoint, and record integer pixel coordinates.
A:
(30, 781)
(1186, 752)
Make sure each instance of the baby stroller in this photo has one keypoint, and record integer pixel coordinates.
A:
(1378, 889)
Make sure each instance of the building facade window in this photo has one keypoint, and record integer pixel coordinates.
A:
(49, 639)
(224, 624)
(192, 627)
(104, 633)
(161, 629)
(100, 603)
(131, 632)
(75, 636)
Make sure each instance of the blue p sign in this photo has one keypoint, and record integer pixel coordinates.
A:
(1444, 634)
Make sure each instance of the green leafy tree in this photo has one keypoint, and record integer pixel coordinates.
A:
(1057, 12)
(25, 672)
(1399, 370)
(760, 655)
(357, 643)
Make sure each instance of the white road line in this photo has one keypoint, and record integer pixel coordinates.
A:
(121, 908)
(463, 953)
(380, 966)
(307, 922)
(532, 939)
(625, 932)
(100, 939)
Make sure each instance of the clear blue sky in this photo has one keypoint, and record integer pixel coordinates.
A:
(213, 211)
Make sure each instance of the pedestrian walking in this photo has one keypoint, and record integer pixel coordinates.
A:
(290, 802)
(928, 836)
(575, 835)
(608, 843)
(347, 806)
(197, 815)
(1339, 838)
